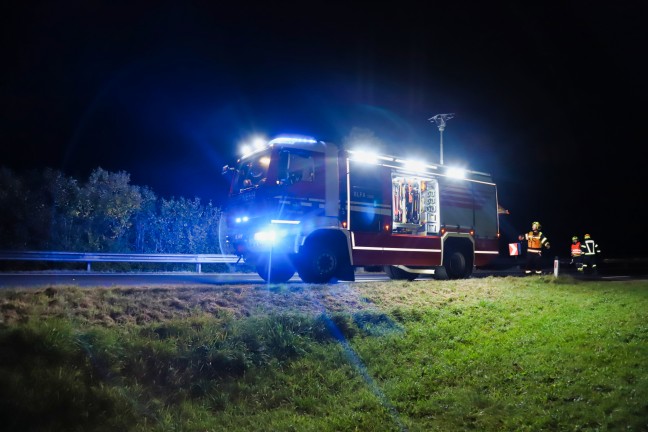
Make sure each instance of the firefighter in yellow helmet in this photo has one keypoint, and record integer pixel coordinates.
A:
(590, 250)
(535, 241)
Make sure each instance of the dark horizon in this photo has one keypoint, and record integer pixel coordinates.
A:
(549, 100)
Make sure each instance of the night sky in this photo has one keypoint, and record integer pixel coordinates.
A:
(549, 99)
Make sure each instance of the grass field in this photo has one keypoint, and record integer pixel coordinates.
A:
(494, 354)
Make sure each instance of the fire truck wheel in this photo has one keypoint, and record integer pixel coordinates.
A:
(278, 272)
(320, 265)
(395, 273)
(455, 265)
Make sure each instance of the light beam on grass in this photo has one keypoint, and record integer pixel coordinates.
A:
(357, 363)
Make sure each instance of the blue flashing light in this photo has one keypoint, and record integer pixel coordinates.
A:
(270, 235)
(292, 140)
(284, 221)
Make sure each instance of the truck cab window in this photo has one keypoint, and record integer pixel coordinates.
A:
(253, 172)
(296, 166)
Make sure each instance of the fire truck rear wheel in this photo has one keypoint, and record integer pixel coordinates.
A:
(455, 265)
(278, 272)
(319, 265)
(395, 273)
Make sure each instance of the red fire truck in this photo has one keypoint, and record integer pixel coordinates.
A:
(302, 205)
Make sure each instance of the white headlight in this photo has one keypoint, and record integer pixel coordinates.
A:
(265, 236)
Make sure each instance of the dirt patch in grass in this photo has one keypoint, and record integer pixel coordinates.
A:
(118, 306)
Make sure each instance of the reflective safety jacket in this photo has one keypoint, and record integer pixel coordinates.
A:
(535, 241)
(576, 249)
(589, 247)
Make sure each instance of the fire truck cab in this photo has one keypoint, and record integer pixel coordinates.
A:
(303, 205)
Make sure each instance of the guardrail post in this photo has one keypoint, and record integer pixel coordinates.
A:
(89, 266)
(198, 267)
(556, 266)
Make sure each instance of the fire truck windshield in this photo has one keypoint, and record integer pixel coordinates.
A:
(252, 172)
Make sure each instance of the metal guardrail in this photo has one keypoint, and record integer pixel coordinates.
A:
(628, 264)
(90, 257)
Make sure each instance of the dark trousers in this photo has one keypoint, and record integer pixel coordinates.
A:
(533, 261)
(578, 262)
(589, 263)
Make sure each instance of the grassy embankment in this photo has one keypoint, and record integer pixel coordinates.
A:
(482, 354)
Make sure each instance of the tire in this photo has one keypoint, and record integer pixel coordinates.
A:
(455, 265)
(279, 271)
(394, 273)
(319, 265)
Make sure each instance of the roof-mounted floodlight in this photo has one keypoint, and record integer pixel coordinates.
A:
(259, 143)
(415, 165)
(252, 145)
(246, 150)
(366, 156)
(456, 172)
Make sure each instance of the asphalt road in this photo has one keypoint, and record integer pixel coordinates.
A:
(10, 280)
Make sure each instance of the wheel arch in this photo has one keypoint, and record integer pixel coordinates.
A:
(339, 240)
(331, 236)
(458, 242)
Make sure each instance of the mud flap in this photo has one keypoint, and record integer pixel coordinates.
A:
(347, 273)
(440, 273)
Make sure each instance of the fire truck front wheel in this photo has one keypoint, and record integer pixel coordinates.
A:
(319, 264)
(277, 271)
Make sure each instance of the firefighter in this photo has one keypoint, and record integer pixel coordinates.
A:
(576, 254)
(535, 240)
(590, 251)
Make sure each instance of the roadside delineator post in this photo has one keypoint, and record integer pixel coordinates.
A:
(556, 266)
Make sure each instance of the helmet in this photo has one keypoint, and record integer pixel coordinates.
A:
(575, 238)
(587, 236)
(536, 223)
